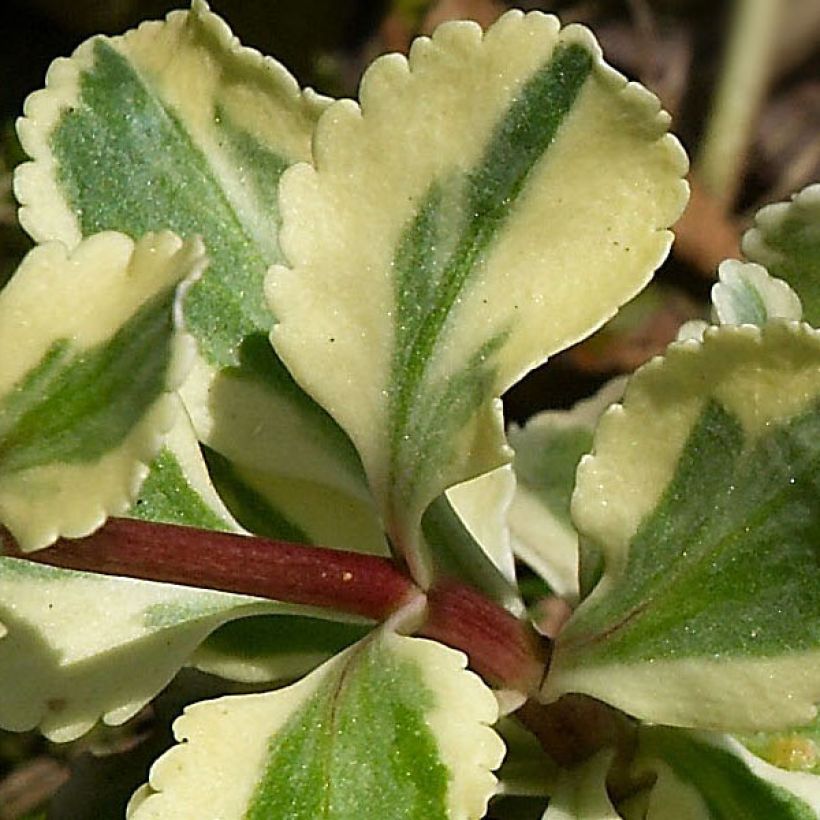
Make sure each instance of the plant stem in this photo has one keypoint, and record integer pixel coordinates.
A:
(357, 584)
(744, 78)
(505, 651)
(576, 726)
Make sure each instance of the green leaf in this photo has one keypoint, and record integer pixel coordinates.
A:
(495, 199)
(581, 794)
(527, 770)
(90, 351)
(703, 776)
(786, 240)
(394, 727)
(547, 451)
(702, 496)
(199, 130)
(178, 489)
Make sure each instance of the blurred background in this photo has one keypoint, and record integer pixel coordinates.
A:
(742, 81)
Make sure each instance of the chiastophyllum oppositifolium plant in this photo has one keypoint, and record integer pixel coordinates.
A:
(250, 423)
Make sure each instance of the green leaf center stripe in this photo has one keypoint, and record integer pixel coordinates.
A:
(724, 782)
(166, 495)
(359, 748)
(427, 285)
(721, 549)
(127, 163)
(76, 410)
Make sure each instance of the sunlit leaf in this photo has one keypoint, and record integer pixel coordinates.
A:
(494, 199)
(747, 294)
(77, 647)
(90, 349)
(178, 489)
(702, 496)
(199, 130)
(393, 727)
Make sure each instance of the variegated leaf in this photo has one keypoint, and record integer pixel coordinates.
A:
(547, 451)
(268, 648)
(263, 648)
(786, 240)
(483, 505)
(703, 776)
(89, 646)
(178, 489)
(298, 511)
(77, 647)
(199, 130)
(747, 295)
(495, 199)
(702, 495)
(89, 352)
(581, 794)
(393, 727)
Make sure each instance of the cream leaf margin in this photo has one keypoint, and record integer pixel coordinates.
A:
(213, 771)
(84, 296)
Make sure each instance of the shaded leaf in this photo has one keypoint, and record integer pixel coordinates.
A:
(712, 777)
(786, 240)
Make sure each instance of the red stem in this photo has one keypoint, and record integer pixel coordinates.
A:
(504, 650)
(358, 584)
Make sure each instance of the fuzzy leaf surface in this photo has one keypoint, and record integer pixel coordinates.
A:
(199, 130)
(90, 351)
(263, 648)
(495, 198)
(702, 496)
(394, 727)
(89, 647)
(178, 489)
